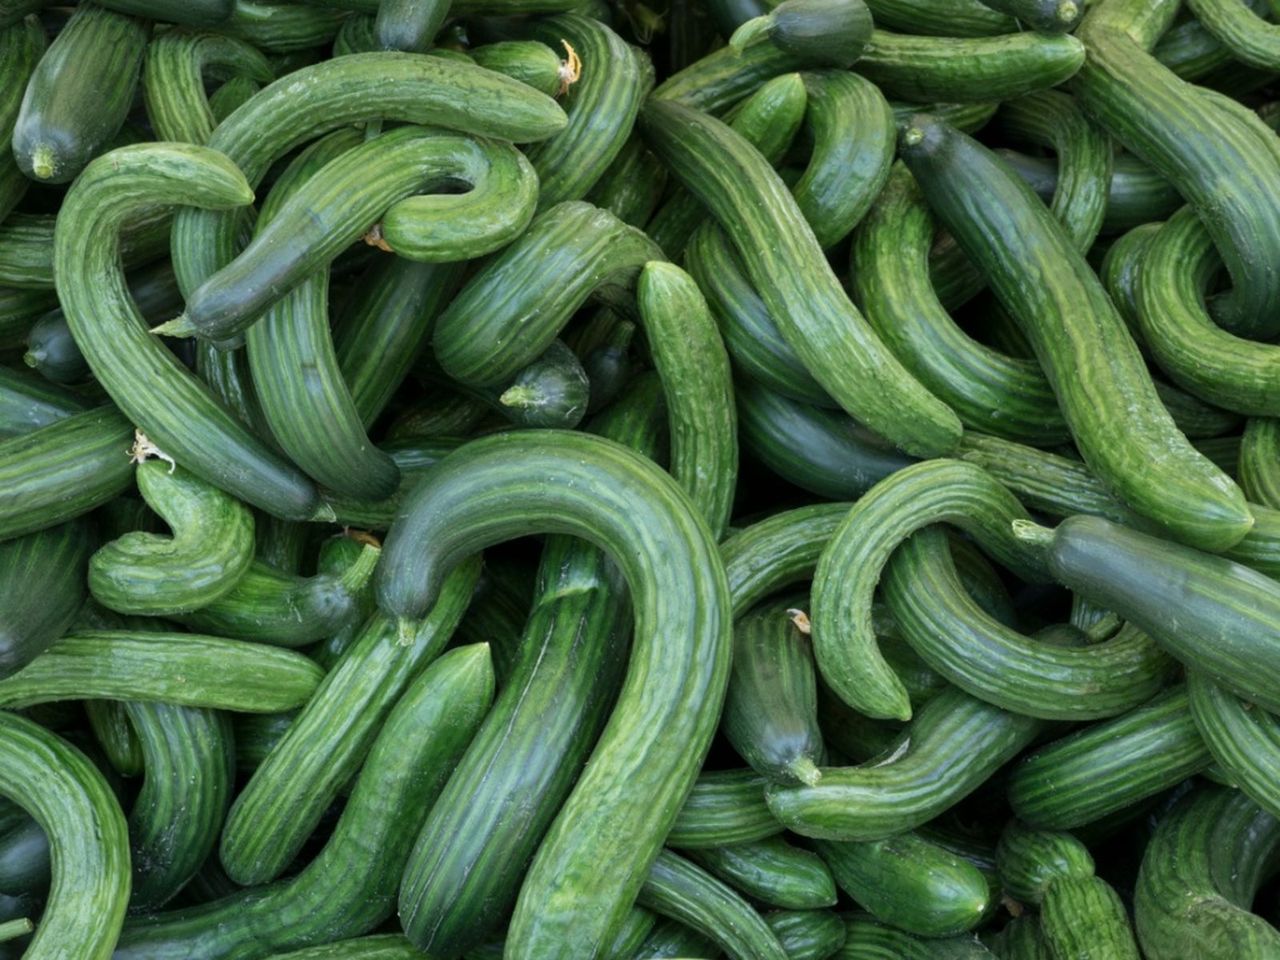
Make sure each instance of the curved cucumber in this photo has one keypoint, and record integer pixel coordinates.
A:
(173, 80)
(1243, 739)
(778, 551)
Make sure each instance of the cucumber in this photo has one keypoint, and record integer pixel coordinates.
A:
(953, 745)
(529, 61)
(42, 578)
(281, 28)
(672, 939)
(231, 96)
(115, 735)
(405, 25)
(27, 248)
(79, 94)
(25, 868)
(1141, 455)
(778, 551)
(1244, 739)
(1259, 467)
(21, 44)
(20, 308)
(1049, 16)
(723, 807)
(1249, 37)
(173, 79)
(725, 76)
(632, 186)
(807, 934)
(786, 265)
(380, 947)
(771, 871)
(824, 33)
(868, 939)
(941, 18)
(1109, 766)
(154, 575)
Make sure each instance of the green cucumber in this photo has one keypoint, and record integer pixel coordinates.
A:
(1073, 327)
(941, 18)
(256, 735)
(1249, 37)
(1259, 466)
(632, 186)
(380, 947)
(771, 871)
(1049, 16)
(778, 551)
(408, 25)
(231, 96)
(79, 94)
(807, 934)
(115, 735)
(173, 80)
(529, 61)
(725, 76)
(210, 549)
(1109, 766)
(27, 249)
(723, 807)
(41, 590)
(21, 44)
(911, 883)
(281, 28)
(968, 69)
(953, 745)
(785, 263)
(824, 33)
(25, 869)
(20, 308)
(672, 939)
(1243, 738)
(868, 939)
(771, 709)
(1199, 875)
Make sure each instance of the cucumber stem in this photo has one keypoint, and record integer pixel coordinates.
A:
(12, 929)
(519, 396)
(805, 770)
(179, 326)
(1067, 11)
(33, 358)
(1032, 533)
(757, 28)
(44, 164)
(357, 576)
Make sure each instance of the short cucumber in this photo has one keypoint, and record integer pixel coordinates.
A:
(824, 33)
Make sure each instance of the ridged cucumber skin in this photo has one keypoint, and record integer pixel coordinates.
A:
(189, 765)
(771, 871)
(725, 76)
(723, 807)
(147, 382)
(529, 61)
(282, 28)
(698, 387)
(672, 939)
(115, 735)
(1048, 16)
(464, 873)
(19, 309)
(508, 314)
(27, 248)
(405, 87)
(1136, 194)
(210, 548)
(941, 18)
(969, 69)
(231, 96)
(349, 888)
(63, 470)
(1072, 327)
(1250, 38)
(996, 663)
(1259, 465)
(184, 669)
(78, 95)
(1109, 766)
(632, 186)
(1209, 612)
(21, 44)
(1029, 861)
(771, 708)
(844, 642)
(682, 891)
(387, 946)
(1223, 171)
(1019, 939)
(953, 745)
(911, 883)
(990, 391)
(777, 552)
(570, 483)
(173, 80)
(822, 33)
(1083, 918)
(785, 263)
(1198, 355)
(76, 808)
(552, 392)
(807, 934)
(868, 939)
(1243, 738)
(280, 806)
(1199, 874)
(41, 590)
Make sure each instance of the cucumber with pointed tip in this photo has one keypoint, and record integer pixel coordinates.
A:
(953, 745)
(771, 709)
(1243, 738)
(76, 808)
(79, 94)
(154, 575)
(27, 249)
(21, 44)
(823, 33)
(529, 61)
(682, 891)
(41, 590)
(1047, 16)
(173, 79)
(911, 883)
(771, 871)
(968, 69)
(1109, 766)
(1198, 878)
(785, 262)
(19, 309)
(148, 383)
(185, 669)
(1073, 327)
(62, 470)
(552, 391)
(941, 18)
(349, 888)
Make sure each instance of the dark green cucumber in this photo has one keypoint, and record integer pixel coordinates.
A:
(115, 735)
(41, 590)
(771, 871)
(20, 308)
(1074, 327)
(255, 735)
(1199, 875)
(514, 307)
(21, 44)
(844, 642)
(173, 80)
(911, 883)
(955, 70)
(79, 94)
(784, 261)
(1259, 467)
(1211, 613)
(1109, 766)
(953, 744)
(349, 888)
(75, 807)
(27, 249)
(682, 891)
(1243, 738)
(63, 470)
(281, 28)
(528, 61)
(941, 18)
(725, 76)
(771, 709)
(552, 391)
(210, 549)
(188, 771)
(147, 382)
(778, 552)
(868, 939)
(632, 186)
(230, 96)
(672, 939)
(807, 934)
(998, 664)
(1049, 16)
(824, 33)
(694, 368)
(409, 25)
(24, 857)
(1136, 195)
(723, 807)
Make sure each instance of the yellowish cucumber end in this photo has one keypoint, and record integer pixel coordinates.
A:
(1068, 11)
(179, 326)
(1032, 533)
(44, 162)
(805, 770)
(757, 28)
(32, 358)
(406, 630)
(518, 396)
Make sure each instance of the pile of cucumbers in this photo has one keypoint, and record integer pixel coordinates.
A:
(635, 479)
